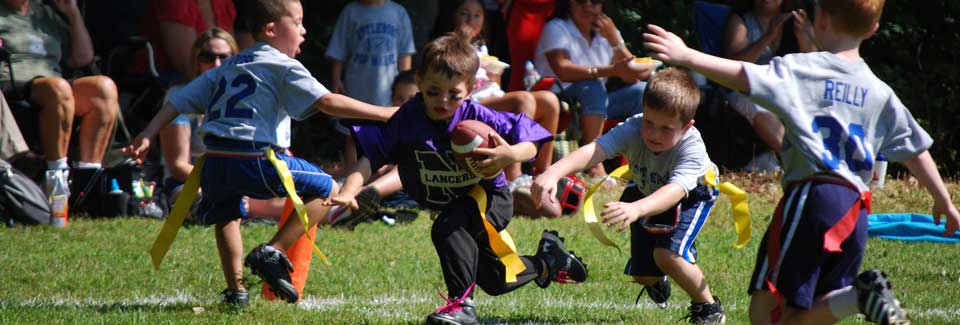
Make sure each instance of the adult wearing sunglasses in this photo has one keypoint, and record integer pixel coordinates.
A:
(582, 47)
(181, 146)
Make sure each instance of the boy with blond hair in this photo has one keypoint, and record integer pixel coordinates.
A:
(248, 103)
(838, 117)
(668, 191)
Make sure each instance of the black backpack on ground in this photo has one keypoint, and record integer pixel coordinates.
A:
(21, 200)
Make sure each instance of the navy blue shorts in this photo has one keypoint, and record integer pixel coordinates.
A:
(806, 270)
(225, 181)
(694, 211)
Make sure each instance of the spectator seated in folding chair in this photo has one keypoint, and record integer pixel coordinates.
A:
(749, 31)
(582, 48)
(37, 35)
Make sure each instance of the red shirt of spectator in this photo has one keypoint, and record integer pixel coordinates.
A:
(183, 12)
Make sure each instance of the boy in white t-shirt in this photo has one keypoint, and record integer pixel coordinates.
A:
(668, 192)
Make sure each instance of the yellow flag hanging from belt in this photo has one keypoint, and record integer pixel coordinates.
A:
(738, 203)
(501, 242)
(182, 206)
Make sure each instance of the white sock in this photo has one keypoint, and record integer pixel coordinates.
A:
(58, 164)
(842, 302)
(84, 164)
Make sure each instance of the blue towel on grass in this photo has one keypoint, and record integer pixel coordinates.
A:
(909, 227)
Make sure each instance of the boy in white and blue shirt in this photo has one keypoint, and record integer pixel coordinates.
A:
(248, 103)
(838, 117)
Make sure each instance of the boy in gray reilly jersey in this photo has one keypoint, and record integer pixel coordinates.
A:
(248, 103)
(668, 192)
(838, 117)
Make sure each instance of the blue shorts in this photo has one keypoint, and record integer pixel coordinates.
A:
(694, 211)
(595, 100)
(809, 210)
(226, 180)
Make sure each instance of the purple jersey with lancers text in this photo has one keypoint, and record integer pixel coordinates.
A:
(421, 148)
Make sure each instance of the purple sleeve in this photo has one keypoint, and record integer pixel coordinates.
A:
(374, 145)
(515, 128)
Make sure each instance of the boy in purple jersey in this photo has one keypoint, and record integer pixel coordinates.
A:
(248, 103)
(837, 116)
(469, 231)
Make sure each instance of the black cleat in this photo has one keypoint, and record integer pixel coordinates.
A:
(274, 268)
(463, 312)
(875, 299)
(236, 298)
(562, 265)
(658, 292)
(706, 313)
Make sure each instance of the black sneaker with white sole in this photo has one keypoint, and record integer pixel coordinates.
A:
(562, 265)
(706, 313)
(875, 299)
(236, 298)
(368, 201)
(274, 268)
(658, 292)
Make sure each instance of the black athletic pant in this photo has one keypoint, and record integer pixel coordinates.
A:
(465, 254)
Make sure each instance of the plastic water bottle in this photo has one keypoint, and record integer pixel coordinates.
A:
(149, 207)
(118, 200)
(59, 197)
(531, 77)
(879, 172)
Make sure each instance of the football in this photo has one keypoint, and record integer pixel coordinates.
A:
(469, 135)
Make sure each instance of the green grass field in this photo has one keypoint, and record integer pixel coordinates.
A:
(98, 271)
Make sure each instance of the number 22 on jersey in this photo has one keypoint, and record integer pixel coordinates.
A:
(240, 87)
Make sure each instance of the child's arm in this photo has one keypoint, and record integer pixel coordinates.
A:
(625, 213)
(668, 47)
(503, 154)
(405, 62)
(336, 76)
(925, 170)
(351, 186)
(345, 107)
(544, 188)
(140, 145)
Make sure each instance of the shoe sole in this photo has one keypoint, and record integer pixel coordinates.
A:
(441, 321)
(877, 278)
(575, 261)
(280, 287)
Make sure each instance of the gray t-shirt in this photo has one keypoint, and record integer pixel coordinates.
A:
(837, 114)
(370, 40)
(685, 164)
(251, 96)
(36, 41)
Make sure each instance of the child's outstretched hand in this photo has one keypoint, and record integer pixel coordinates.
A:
(666, 46)
(544, 189)
(349, 201)
(949, 212)
(498, 157)
(621, 214)
(138, 149)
